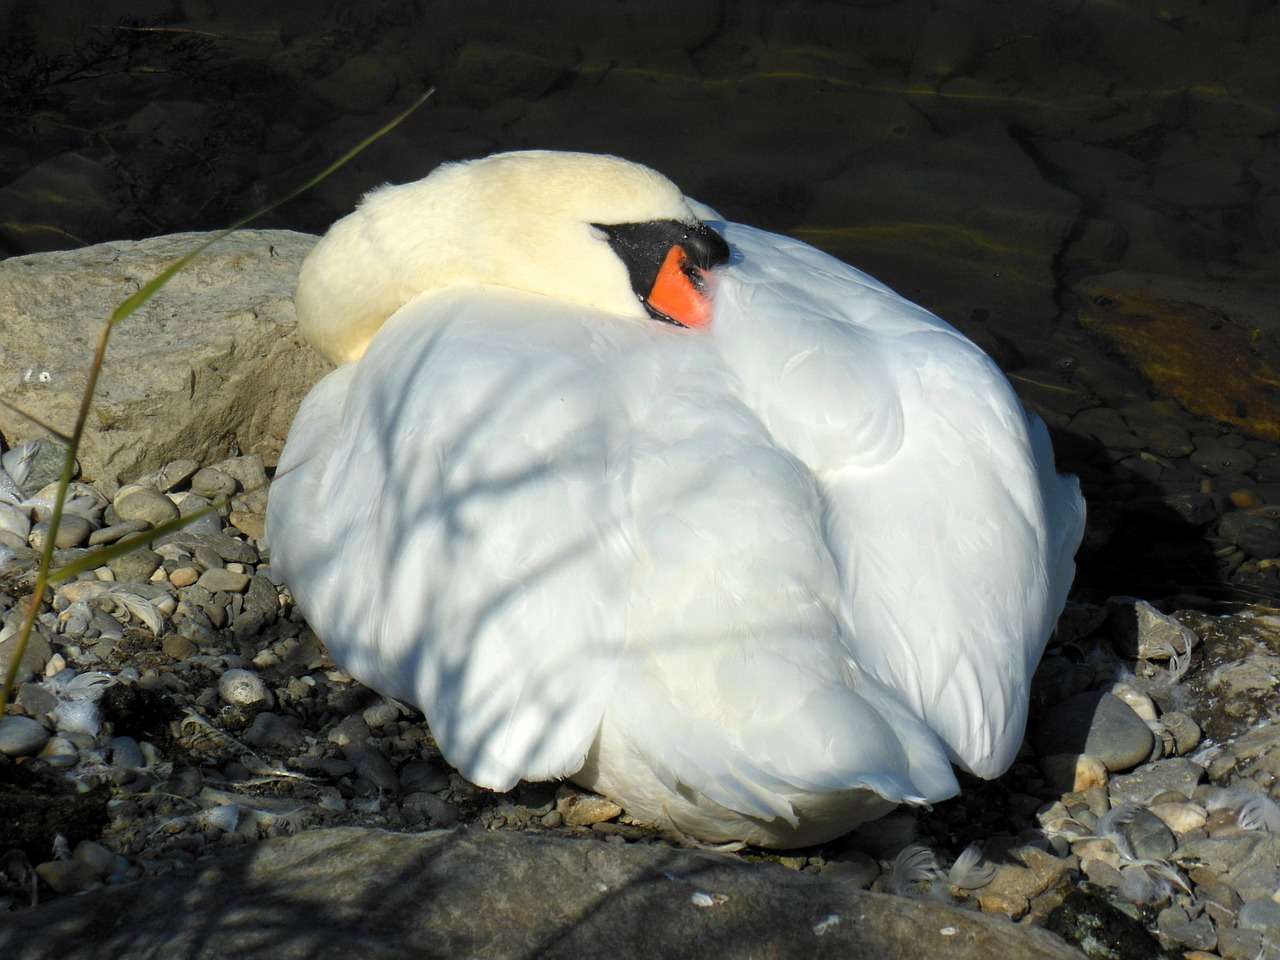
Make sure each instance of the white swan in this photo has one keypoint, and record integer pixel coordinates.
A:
(759, 577)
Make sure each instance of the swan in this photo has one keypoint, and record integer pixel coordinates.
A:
(691, 514)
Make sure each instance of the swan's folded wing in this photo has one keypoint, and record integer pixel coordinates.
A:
(469, 487)
(952, 533)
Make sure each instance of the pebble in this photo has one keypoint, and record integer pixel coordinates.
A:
(14, 520)
(144, 503)
(73, 531)
(582, 809)
(272, 730)
(244, 688)
(212, 483)
(117, 532)
(67, 876)
(22, 736)
(220, 580)
(136, 565)
(1097, 724)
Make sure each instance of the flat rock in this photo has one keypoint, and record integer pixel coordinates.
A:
(384, 896)
(208, 366)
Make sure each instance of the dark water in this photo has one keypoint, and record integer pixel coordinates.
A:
(1090, 190)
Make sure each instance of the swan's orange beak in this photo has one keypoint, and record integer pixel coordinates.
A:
(681, 291)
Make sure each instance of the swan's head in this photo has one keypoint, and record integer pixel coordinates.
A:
(588, 229)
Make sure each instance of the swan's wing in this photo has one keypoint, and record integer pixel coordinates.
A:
(448, 516)
(953, 534)
(736, 684)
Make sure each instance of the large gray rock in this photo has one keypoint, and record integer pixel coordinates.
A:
(209, 365)
(347, 893)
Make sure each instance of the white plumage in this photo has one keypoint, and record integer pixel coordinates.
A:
(759, 580)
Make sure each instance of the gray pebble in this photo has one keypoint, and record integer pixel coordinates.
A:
(67, 876)
(434, 810)
(380, 714)
(207, 524)
(1147, 835)
(212, 483)
(1185, 731)
(101, 861)
(136, 565)
(271, 730)
(14, 520)
(219, 580)
(117, 531)
(34, 658)
(125, 752)
(244, 688)
(22, 736)
(143, 503)
(1218, 459)
(1098, 724)
(372, 765)
(1175, 774)
(73, 531)
(416, 777)
(1262, 916)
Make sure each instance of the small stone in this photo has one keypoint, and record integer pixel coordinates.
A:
(126, 753)
(244, 688)
(1180, 816)
(372, 765)
(1185, 731)
(14, 520)
(34, 657)
(67, 876)
(1074, 773)
(250, 524)
(417, 776)
(144, 503)
(1098, 724)
(178, 647)
(1262, 916)
(852, 866)
(117, 532)
(271, 730)
(101, 861)
(584, 809)
(380, 714)
(73, 531)
(219, 580)
(1011, 905)
(1147, 835)
(1031, 873)
(212, 483)
(136, 565)
(22, 736)
(1176, 774)
(434, 810)
(184, 576)
(1137, 701)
